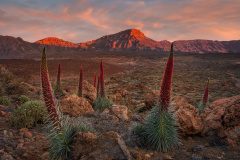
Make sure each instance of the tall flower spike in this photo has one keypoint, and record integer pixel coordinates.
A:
(80, 87)
(165, 92)
(98, 86)
(102, 85)
(59, 74)
(205, 96)
(95, 78)
(47, 93)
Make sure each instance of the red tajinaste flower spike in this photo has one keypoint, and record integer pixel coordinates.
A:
(80, 87)
(98, 86)
(205, 96)
(95, 78)
(165, 92)
(47, 93)
(102, 85)
(59, 74)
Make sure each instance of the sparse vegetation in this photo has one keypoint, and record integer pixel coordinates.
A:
(102, 103)
(23, 99)
(5, 101)
(29, 114)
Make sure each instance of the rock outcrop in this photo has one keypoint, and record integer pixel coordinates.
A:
(122, 112)
(222, 118)
(56, 42)
(150, 99)
(108, 145)
(188, 120)
(76, 106)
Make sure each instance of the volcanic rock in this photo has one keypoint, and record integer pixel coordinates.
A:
(89, 92)
(221, 118)
(122, 112)
(108, 145)
(76, 106)
(188, 120)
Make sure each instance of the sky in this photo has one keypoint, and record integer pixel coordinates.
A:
(85, 20)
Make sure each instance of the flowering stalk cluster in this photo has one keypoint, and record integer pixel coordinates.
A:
(80, 87)
(102, 85)
(165, 92)
(47, 93)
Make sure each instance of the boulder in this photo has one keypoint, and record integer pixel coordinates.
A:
(122, 112)
(89, 92)
(221, 118)
(188, 119)
(76, 106)
(108, 145)
(121, 97)
(150, 99)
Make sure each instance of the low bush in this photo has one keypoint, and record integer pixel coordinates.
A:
(23, 99)
(29, 114)
(5, 101)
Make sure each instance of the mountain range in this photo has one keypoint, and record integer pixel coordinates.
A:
(130, 40)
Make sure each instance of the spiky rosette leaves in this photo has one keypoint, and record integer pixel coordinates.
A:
(95, 79)
(80, 86)
(98, 86)
(61, 144)
(160, 130)
(58, 88)
(165, 92)
(47, 93)
(204, 102)
(102, 84)
(102, 103)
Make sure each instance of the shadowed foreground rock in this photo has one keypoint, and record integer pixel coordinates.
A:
(108, 145)
(76, 106)
(187, 117)
(222, 118)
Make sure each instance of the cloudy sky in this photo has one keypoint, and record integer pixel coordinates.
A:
(85, 20)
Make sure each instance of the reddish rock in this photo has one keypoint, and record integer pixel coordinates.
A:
(188, 119)
(222, 118)
(76, 106)
(151, 98)
(3, 114)
(89, 92)
(122, 112)
(108, 145)
(121, 97)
